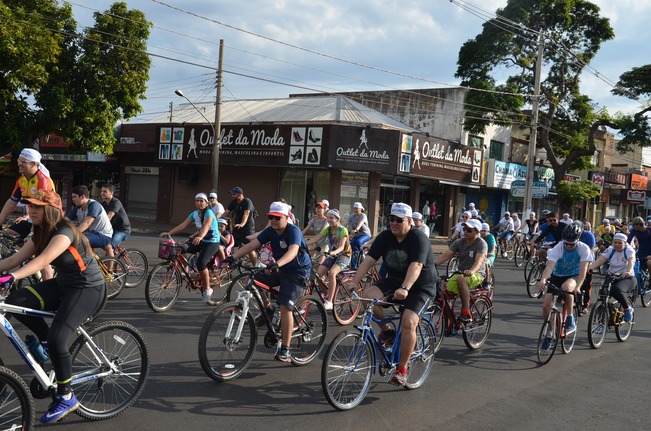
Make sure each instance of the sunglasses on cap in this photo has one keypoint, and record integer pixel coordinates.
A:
(274, 217)
(394, 219)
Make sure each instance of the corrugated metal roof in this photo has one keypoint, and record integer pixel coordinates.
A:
(322, 109)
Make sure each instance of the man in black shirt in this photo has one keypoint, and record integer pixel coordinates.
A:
(554, 229)
(240, 210)
(118, 216)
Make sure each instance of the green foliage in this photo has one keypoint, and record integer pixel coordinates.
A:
(634, 129)
(580, 190)
(82, 84)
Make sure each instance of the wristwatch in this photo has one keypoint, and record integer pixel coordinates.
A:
(404, 287)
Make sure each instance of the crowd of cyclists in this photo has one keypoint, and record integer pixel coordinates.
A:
(571, 250)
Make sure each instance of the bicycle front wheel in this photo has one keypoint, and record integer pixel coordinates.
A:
(422, 358)
(310, 330)
(645, 292)
(115, 275)
(534, 278)
(622, 329)
(548, 338)
(136, 265)
(163, 287)
(345, 307)
(224, 353)
(16, 403)
(347, 370)
(520, 254)
(475, 333)
(437, 317)
(453, 266)
(567, 342)
(106, 390)
(597, 324)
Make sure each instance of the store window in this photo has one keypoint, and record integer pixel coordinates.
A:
(354, 188)
(475, 141)
(496, 150)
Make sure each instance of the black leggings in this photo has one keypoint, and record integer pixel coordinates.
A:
(73, 305)
(621, 287)
(206, 251)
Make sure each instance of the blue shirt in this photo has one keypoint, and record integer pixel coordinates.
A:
(644, 242)
(280, 243)
(213, 232)
(588, 239)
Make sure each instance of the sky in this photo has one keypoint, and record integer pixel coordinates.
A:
(300, 46)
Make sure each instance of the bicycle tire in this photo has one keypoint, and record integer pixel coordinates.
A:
(116, 277)
(106, 391)
(520, 255)
(16, 404)
(597, 324)
(222, 358)
(622, 329)
(510, 249)
(534, 278)
(345, 307)
(310, 330)
(453, 266)
(422, 358)
(347, 370)
(527, 268)
(476, 332)
(490, 285)
(551, 330)
(137, 266)
(163, 287)
(644, 293)
(567, 342)
(437, 317)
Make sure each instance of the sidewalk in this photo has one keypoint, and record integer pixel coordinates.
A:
(152, 228)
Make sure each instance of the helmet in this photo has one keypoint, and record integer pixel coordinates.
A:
(638, 220)
(572, 233)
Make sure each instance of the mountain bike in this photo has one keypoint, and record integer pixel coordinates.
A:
(643, 286)
(16, 404)
(230, 333)
(110, 363)
(135, 263)
(355, 355)
(608, 313)
(553, 328)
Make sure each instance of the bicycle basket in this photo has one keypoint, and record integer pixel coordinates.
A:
(168, 250)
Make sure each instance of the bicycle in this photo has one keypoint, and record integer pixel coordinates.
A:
(553, 328)
(115, 274)
(110, 363)
(522, 253)
(135, 263)
(17, 410)
(355, 355)
(643, 287)
(229, 334)
(165, 279)
(533, 271)
(446, 322)
(608, 313)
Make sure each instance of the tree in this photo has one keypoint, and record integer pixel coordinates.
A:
(573, 31)
(91, 80)
(570, 192)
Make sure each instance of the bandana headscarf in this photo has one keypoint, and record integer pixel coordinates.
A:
(31, 155)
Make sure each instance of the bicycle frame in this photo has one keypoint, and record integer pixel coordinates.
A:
(642, 279)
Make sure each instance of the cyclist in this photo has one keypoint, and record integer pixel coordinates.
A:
(338, 258)
(601, 229)
(620, 258)
(317, 224)
(420, 224)
(91, 218)
(358, 225)
(529, 227)
(457, 230)
(487, 236)
(588, 239)
(565, 218)
(205, 241)
(215, 206)
(606, 239)
(226, 240)
(411, 278)
(551, 233)
(75, 293)
(117, 215)
(506, 229)
(567, 266)
(241, 211)
(472, 251)
(643, 236)
(290, 270)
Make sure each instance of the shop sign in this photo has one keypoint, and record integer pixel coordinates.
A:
(141, 170)
(539, 189)
(570, 177)
(430, 157)
(502, 174)
(545, 175)
(639, 182)
(363, 149)
(636, 195)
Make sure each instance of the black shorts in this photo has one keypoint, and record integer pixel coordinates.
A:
(415, 299)
(558, 281)
(240, 236)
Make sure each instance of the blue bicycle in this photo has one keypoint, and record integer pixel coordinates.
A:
(643, 286)
(355, 355)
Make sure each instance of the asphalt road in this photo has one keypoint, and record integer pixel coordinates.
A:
(501, 386)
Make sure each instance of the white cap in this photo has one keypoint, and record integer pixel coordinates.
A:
(473, 223)
(514, 215)
(325, 201)
(278, 209)
(222, 221)
(401, 210)
(358, 205)
(606, 221)
(485, 226)
(416, 215)
(620, 237)
(213, 195)
(473, 213)
(471, 205)
(532, 213)
(507, 213)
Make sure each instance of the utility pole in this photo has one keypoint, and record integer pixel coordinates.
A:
(171, 111)
(217, 142)
(531, 157)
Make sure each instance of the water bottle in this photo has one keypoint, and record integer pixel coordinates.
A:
(36, 348)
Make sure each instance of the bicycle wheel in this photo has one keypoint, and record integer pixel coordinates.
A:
(597, 324)
(534, 278)
(104, 391)
(548, 338)
(645, 293)
(223, 355)
(520, 254)
(510, 249)
(437, 317)
(310, 330)
(475, 333)
(567, 342)
(622, 329)
(345, 307)
(422, 358)
(115, 276)
(453, 266)
(239, 284)
(220, 280)
(527, 268)
(347, 370)
(16, 404)
(163, 287)
(137, 266)
(489, 284)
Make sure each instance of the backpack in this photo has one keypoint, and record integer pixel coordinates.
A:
(636, 267)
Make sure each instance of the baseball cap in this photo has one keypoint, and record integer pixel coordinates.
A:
(320, 205)
(473, 223)
(212, 195)
(474, 213)
(278, 209)
(514, 215)
(201, 196)
(222, 221)
(416, 215)
(401, 210)
(236, 191)
(507, 213)
(44, 198)
(485, 226)
(620, 237)
(358, 205)
(326, 202)
(607, 228)
(606, 221)
(546, 212)
(471, 205)
(638, 220)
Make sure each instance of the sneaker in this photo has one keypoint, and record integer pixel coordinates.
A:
(206, 297)
(465, 316)
(59, 409)
(399, 378)
(570, 324)
(504, 255)
(283, 355)
(547, 343)
(387, 337)
(328, 305)
(628, 314)
(599, 329)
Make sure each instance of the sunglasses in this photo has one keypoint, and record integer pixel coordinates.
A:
(570, 244)
(394, 219)
(468, 229)
(274, 217)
